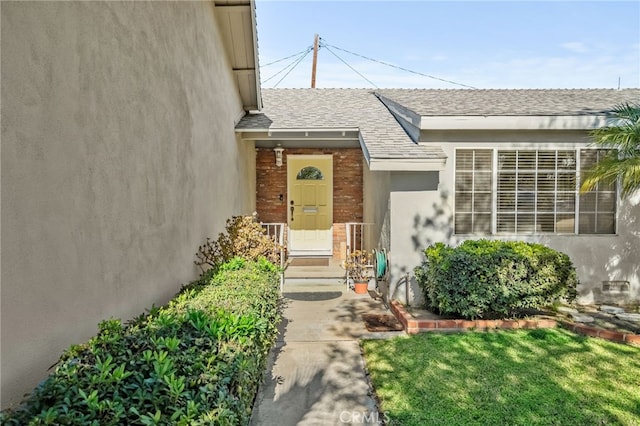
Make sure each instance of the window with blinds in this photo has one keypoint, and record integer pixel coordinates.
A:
(536, 191)
(598, 207)
(529, 192)
(473, 204)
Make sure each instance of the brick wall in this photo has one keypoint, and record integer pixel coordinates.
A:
(339, 241)
(271, 181)
(271, 184)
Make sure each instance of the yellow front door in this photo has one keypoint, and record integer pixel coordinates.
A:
(310, 212)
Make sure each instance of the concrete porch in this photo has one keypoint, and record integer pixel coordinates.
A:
(310, 268)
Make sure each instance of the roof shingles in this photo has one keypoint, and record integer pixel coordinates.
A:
(383, 136)
(338, 109)
(509, 102)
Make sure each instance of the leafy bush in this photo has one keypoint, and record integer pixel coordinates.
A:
(481, 278)
(198, 360)
(244, 238)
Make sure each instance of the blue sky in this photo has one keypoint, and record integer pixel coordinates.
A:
(501, 44)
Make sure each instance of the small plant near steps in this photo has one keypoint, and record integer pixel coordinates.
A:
(358, 266)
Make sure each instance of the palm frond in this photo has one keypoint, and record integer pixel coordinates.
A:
(622, 163)
(627, 111)
(611, 170)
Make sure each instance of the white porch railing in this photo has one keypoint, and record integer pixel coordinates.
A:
(358, 238)
(277, 231)
(357, 235)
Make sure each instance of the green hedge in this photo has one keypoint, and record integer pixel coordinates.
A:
(483, 278)
(198, 360)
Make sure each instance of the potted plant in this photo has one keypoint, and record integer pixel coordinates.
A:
(358, 266)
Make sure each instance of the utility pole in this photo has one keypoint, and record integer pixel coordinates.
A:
(315, 62)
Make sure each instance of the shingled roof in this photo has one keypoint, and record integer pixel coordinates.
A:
(382, 135)
(326, 109)
(531, 102)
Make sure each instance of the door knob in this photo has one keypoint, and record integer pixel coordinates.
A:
(292, 209)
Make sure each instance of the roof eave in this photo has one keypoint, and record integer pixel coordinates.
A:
(299, 129)
(256, 56)
(301, 134)
(237, 21)
(407, 164)
(513, 122)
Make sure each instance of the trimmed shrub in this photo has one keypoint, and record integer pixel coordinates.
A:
(198, 360)
(243, 238)
(482, 278)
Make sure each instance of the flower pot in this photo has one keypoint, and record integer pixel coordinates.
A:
(361, 287)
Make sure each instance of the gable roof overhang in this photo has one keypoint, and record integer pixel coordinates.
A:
(288, 138)
(316, 116)
(348, 137)
(237, 22)
(269, 133)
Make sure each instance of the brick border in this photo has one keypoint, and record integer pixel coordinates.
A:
(414, 326)
(614, 336)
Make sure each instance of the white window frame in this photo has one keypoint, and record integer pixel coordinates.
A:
(494, 184)
(616, 201)
(493, 198)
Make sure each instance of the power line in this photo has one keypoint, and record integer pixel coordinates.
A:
(291, 56)
(352, 68)
(292, 68)
(325, 44)
(293, 63)
(285, 68)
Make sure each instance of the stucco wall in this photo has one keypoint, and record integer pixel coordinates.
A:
(377, 207)
(421, 218)
(118, 158)
(415, 219)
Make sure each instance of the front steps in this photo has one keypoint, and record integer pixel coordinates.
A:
(331, 271)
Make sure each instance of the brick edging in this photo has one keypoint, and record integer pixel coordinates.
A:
(614, 336)
(414, 326)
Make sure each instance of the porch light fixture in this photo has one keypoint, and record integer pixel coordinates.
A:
(278, 150)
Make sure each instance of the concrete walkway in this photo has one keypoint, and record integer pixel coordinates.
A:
(315, 374)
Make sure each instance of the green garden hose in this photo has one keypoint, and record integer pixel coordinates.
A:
(381, 264)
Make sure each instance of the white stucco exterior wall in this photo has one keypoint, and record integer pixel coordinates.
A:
(119, 158)
(376, 205)
(421, 218)
(416, 217)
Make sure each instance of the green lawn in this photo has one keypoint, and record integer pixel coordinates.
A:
(522, 377)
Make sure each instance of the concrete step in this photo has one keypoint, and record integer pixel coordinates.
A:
(329, 268)
(313, 272)
(304, 284)
(629, 317)
(611, 309)
(582, 317)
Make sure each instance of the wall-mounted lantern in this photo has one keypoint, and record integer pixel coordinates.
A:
(278, 151)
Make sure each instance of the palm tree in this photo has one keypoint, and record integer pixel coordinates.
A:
(622, 162)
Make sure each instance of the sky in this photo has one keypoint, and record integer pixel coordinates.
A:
(456, 44)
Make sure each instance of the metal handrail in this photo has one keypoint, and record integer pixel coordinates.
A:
(355, 233)
(276, 231)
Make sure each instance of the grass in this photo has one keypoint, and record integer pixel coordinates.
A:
(520, 377)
